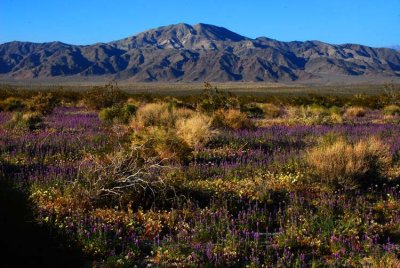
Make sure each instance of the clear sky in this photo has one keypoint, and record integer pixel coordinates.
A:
(370, 22)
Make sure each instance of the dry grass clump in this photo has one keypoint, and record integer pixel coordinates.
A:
(232, 119)
(271, 110)
(341, 163)
(11, 104)
(183, 113)
(355, 112)
(160, 114)
(313, 115)
(391, 110)
(155, 114)
(195, 130)
(162, 143)
(170, 133)
(336, 118)
(42, 103)
(388, 261)
(29, 120)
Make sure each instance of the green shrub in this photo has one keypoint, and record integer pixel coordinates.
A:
(341, 163)
(391, 110)
(312, 115)
(43, 103)
(119, 113)
(30, 120)
(104, 97)
(335, 110)
(33, 120)
(213, 99)
(12, 104)
(108, 114)
(252, 110)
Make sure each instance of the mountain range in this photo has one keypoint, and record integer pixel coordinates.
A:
(200, 52)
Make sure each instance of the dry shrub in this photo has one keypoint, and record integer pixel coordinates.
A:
(355, 112)
(232, 119)
(160, 114)
(336, 118)
(155, 114)
(29, 120)
(195, 130)
(312, 115)
(183, 113)
(123, 176)
(271, 110)
(157, 128)
(252, 110)
(11, 104)
(350, 165)
(387, 261)
(33, 120)
(162, 143)
(42, 103)
(391, 110)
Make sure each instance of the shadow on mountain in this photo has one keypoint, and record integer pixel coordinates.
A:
(26, 243)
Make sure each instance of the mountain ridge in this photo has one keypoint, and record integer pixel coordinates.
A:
(200, 52)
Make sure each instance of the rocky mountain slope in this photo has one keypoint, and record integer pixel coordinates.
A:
(200, 52)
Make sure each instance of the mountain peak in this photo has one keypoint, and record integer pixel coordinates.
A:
(217, 33)
(180, 36)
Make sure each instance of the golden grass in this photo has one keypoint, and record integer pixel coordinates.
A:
(350, 165)
(391, 110)
(389, 261)
(195, 130)
(154, 114)
(355, 112)
(271, 110)
(232, 119)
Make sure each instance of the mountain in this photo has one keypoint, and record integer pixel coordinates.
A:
(198, 52)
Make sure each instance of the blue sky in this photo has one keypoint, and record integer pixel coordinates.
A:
(370, 22)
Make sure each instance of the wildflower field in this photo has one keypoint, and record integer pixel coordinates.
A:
(221, 181)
